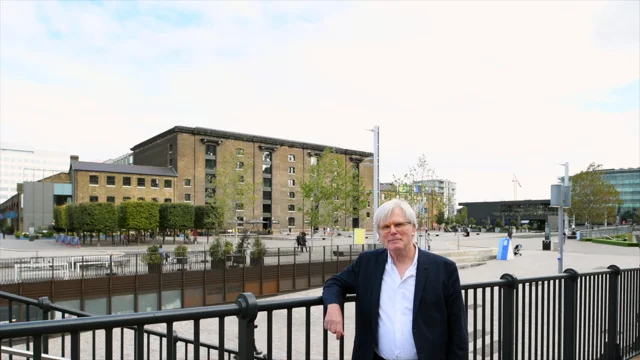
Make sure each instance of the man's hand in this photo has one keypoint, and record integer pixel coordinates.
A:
(333, 320)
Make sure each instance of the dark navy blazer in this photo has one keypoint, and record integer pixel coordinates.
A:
(439, 315)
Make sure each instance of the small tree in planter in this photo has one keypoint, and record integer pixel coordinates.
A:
(180, 252)
(218, 252)
(241, 249)
(153, 258)
(258, 251)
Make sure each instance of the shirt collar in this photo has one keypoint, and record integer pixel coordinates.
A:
(415, 257)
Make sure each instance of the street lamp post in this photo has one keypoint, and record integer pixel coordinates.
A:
(376, 176)
(561, 198)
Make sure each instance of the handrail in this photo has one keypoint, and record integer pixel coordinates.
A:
(27, 354)
(83, 314)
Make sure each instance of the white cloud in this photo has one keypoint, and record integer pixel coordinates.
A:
(481, 87)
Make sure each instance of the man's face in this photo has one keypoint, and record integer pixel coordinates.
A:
(396, 232)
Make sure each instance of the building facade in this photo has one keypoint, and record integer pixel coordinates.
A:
(115, 183)
(627, 182)
(19, 164)
(275, 166)
(533, 212)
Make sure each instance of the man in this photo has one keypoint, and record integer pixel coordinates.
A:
(409, 304)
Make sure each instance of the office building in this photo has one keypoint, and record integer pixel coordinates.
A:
(627, 182)
(20, 164)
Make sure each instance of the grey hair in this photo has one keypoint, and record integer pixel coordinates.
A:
(384, 212)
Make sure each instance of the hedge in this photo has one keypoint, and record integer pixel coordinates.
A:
(176, 216)
(615, 242)
(138, 215)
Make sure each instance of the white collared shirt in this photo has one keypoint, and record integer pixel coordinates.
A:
(395, 320)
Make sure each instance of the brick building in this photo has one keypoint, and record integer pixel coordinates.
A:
(115, 183)
(277, 164)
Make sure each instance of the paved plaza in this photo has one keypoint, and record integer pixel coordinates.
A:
(581, 256)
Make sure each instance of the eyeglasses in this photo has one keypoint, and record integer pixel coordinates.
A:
(398, 226)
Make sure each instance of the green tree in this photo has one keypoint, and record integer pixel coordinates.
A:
(139, 216)
(440, 218)
(60, 217)
(461, 216)
(73, 219)
(333, 191)
(416, 187)
(176, 216)
(235, 185)
(636, 219)
(208, 217)
(98, 217)
(593, 200)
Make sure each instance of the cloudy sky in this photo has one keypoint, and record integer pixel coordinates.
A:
(484, 89)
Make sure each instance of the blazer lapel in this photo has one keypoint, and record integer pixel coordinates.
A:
(376, 282)
(421, 279)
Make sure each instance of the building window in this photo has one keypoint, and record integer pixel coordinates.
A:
(155, 184)
(292, 208)
(210, 164)
(141, 198)
(187, 197)
(368, 203)
(240, 152)
(170, 148)
(266, 182)
(266, 169)
(368, 214)
(111, 181)
(266, 195)
(167, 184)
(291, 221)
(239, 206)
(239, 165)
(154, 199)
(93, 199)
(93, 180)
(111, 199)
(141, 182)
(167, 200)
(292, 195)
(210, 150)
(126, 198)
(292, 170)
(126, 181)
(314, 160)
(292, 158)
(240, 221)
(187, 182)
(241, 179)
(266, 156)
(170, 162)
(292, 182)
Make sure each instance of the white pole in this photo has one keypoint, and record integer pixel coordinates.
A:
(566, 183)
(376, 176)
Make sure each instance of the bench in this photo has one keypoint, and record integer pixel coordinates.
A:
(288, 252)
(354, 253)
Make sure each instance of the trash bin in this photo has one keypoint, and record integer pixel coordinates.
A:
(546, 245)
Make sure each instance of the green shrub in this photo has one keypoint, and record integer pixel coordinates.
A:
(615, 242)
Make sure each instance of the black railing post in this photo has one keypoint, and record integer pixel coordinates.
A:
(570, 312)
(174, 355)
(45, 305)
(508, 316)
(248, 313)
(612, 348)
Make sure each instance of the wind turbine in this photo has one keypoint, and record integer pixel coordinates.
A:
(515, 188)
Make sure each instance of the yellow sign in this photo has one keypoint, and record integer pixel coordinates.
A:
(358, 236)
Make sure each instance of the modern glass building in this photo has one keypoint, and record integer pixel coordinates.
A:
(627, 182)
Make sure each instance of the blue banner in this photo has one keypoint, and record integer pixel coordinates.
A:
(504, 249)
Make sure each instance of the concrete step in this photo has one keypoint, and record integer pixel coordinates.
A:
(464, 253)
(470, 265)
(471, 259)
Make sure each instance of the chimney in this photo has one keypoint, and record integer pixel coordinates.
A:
(74, 158)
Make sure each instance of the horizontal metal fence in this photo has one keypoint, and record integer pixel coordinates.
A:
(568, 316)
(20, 270)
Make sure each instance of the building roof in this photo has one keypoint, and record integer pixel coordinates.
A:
(247, 137)
(123, 169)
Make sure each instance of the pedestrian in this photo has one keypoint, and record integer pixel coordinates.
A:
(398, 312)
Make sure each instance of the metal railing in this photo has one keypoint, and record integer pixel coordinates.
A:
(608, 231)
(594, 315)
(45, 310)
(33, 269)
